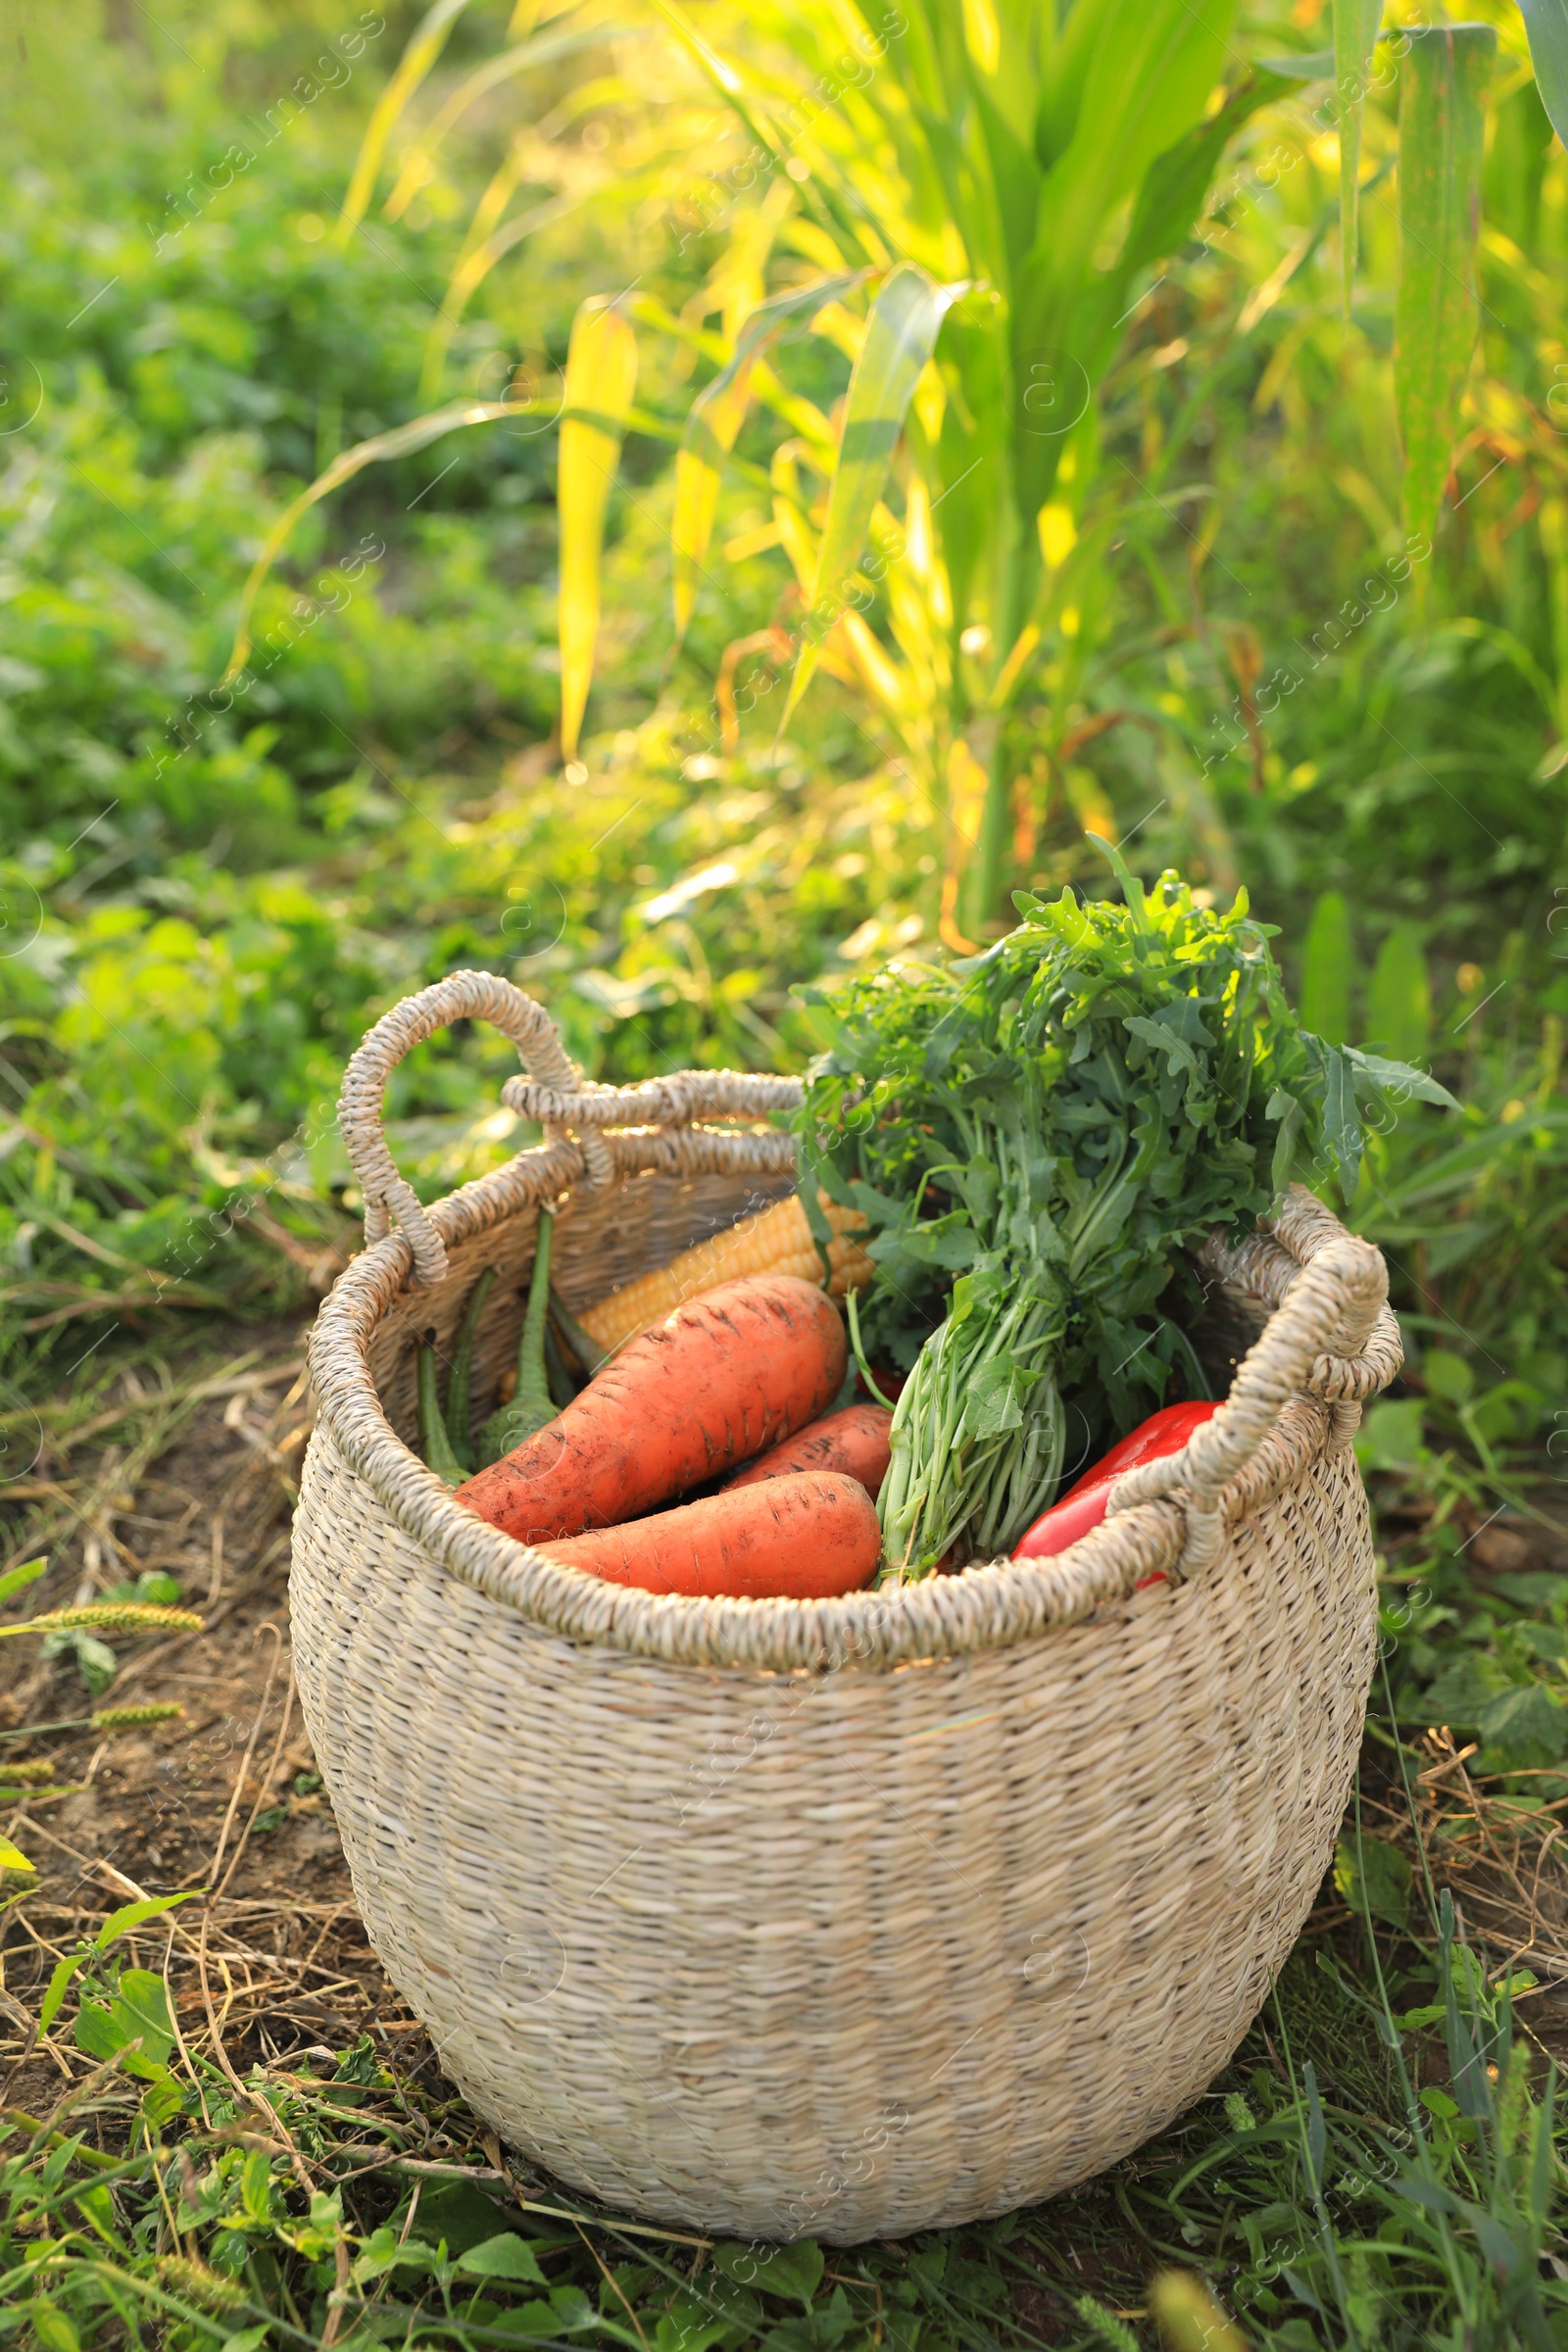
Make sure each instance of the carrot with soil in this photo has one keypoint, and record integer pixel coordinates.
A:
(796, 1537)
(726, 1375)
(855, 1441)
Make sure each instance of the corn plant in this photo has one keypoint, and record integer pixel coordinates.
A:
(982, 194)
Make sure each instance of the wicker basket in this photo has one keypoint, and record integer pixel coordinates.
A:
(838, 1919)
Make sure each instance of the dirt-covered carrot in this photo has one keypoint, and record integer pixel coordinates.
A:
(855, 1441)
(721, 1378)
(799, 1538)
(459, 1380)
(530, 1405)
(435, 1445)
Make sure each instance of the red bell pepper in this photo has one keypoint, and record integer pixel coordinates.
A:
(1083, 1506)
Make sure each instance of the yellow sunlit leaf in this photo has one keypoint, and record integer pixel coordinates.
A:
(1059, 535)
(696, 483)
(982, 34)
(425, 46)
(417, 167)
(900, 334)
(717, 418)
(601, 379)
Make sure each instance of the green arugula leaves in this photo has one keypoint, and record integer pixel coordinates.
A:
(1035, 1134)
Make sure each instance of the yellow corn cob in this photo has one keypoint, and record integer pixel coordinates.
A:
(777, 1241)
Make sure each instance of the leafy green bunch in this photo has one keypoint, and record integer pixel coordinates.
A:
(1035, 1133)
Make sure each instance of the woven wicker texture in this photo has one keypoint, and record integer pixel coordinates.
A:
(840, 1919)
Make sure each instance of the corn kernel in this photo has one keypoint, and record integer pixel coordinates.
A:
(776, 1241)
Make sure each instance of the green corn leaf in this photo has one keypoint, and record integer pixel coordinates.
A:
(1135, 76)
(1299, 65)
(1436, 310)
(1546, 25)
(710, 436)
(1355, 32)
(982, 34)
(731, 88)
(470, 274)
(723, 77)
(1176, 182)
(1146, 70)
(1062, 94)
(899, 336)
(424, 47)
(601, 379)
(715, 419)
(402, 442)
(542, 48)
(17, 1580)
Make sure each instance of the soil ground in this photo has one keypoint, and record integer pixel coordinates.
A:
(196, 1481)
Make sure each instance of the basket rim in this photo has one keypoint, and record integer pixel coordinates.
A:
(994, 1606)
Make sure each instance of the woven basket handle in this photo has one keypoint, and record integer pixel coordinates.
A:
(470, 995)
(1332, 1334)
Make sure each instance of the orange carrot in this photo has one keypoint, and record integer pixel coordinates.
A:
(725, 1375)
(799, 1538)
(855, 1441)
